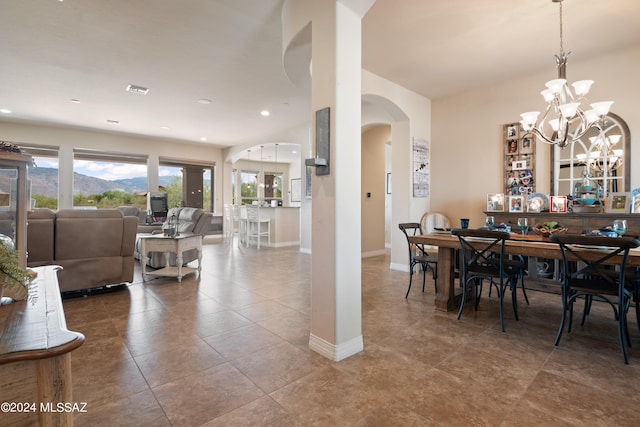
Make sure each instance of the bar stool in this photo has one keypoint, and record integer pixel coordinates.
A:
(238, 224)
(254, 227)
(228, 221)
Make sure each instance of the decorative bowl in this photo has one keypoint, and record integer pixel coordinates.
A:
(546, 232)
(586, 201)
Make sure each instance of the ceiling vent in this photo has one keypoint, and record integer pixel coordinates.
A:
(138, 89)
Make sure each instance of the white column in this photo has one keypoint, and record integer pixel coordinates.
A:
(336, 312)
(153, 171)
(65, 177)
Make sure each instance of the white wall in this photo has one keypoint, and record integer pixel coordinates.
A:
(467, 146)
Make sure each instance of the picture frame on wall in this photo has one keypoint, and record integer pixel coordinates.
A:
(519, 165)
(618, 203)
(511, 131)
(558, 204)
(635, 201)
(495, 202)
(516, 203)
(295, 190)
(526, 144)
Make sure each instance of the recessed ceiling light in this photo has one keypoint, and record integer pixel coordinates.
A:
(265, 113)
(203, 139)
(137, 89)
(113, 122)
(75, 101)
(165, 127)
(5, 111)
(204, 101)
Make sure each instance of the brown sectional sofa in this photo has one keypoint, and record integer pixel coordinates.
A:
(93, 247)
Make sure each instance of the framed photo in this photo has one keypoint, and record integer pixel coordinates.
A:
(635, 201)
(526, 144)
(495, 202)
(618, 203)
(295, 190)
(516, 203)
(558, 204)
(511, 132)
(519, 165)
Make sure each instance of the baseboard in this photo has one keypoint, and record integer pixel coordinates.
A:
(336, 352)
(373, 253)
(285, 244)
(399, 267)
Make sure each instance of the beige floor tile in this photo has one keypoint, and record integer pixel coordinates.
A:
(261, 412)
(279, 365)
(177, 361)
(243, 341)
(141, 409)
(201, 397)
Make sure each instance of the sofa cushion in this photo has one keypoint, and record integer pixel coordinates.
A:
(187, 218)
(140, 215)
(101, 230)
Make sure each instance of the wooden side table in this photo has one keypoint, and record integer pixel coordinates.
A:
(35, 357)
(166, 244)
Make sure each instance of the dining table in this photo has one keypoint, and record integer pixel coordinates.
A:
(448, 296)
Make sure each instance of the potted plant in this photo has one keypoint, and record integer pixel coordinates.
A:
(13, 278)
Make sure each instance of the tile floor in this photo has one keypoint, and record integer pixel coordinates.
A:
(230, 348)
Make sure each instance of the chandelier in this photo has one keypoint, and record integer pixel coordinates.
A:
(602, 157)
(564, 120)
(275, 176)
(248, 166)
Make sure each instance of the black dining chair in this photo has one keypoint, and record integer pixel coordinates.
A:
(418, 255)
(483, 258)
(595, 267)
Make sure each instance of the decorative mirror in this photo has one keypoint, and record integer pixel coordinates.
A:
(601, 154)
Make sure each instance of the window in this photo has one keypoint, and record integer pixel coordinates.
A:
(186, 183)
(104, 180)
(43, 176)
(233, 186)
(249, 189)
(170, 182)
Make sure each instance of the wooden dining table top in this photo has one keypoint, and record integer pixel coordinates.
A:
(527, 245)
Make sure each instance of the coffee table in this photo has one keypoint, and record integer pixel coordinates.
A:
(166, 244)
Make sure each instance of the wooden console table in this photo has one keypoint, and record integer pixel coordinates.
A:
(35, 356)
(576, 222)
(166, 244)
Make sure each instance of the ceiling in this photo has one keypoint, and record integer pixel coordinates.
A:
(229, 52)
